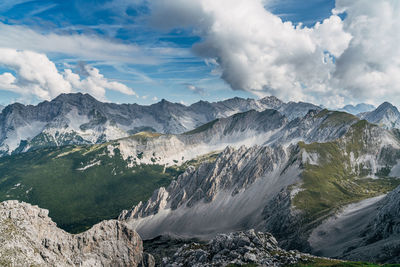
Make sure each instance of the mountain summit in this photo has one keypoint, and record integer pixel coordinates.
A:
(386, 115)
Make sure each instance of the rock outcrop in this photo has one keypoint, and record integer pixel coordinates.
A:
(28, 237)
(239, 248)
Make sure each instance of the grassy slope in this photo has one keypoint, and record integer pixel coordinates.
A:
(76, 198)
(332, 183)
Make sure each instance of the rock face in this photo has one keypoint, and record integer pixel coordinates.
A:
(264, 186)
(250, 128)
(243, 179)
(81, 119)
(29, 237)
(236, 186)
(239, 248)
(380, 238)
(386, 115)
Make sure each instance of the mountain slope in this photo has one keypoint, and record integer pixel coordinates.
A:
(79, 185)
(368, 230)
(81, 119)
(386, 115)
(98, 181)
(287, 190)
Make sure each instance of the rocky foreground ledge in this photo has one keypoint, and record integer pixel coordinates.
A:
(248, 248)
(28, 237)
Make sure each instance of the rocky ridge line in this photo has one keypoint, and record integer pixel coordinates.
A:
(28, 237)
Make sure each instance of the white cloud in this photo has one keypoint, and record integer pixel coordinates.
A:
(95, 83)
(263, 55)
(370, 67)
(155, 98)
(37, 76)
(333, 62)
(195, 89)
(84, 47)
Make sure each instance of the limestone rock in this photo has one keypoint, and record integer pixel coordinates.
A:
(29, 237)
(238, 248)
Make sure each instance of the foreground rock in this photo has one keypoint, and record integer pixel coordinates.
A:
(238, 248)
(28, 237)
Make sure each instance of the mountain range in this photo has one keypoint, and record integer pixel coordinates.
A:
(72, 119)
(81, 119)
(321, 181)
(357, 109)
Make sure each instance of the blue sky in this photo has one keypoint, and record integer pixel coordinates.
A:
(157, 62)
(179, 76)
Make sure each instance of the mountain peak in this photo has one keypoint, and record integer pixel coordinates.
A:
(272, 101)
(73, 97)
(357, 109)
(385, 106)
(385, 115)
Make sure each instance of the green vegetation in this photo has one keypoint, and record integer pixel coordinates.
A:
(79, 185)
(202, 128)
(336, 118)
(333, 183)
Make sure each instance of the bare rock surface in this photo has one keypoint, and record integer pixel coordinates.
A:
(28, 237)
(239, 248)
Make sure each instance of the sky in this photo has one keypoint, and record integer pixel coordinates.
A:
(139, 51)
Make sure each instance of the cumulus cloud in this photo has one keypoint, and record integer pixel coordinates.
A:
(333, 62)
(37, 76)
(370, 67)
(264, 55)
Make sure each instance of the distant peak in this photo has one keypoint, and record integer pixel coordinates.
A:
(165, 102)
(386, 105)
(271, 97)
(73, 97)
(271, 101)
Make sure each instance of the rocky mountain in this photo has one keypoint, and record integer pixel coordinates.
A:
(1, 107)
(368, 230)
(30, 238)
(239, 249)
(386, 115)
(357, 109)
(289, 170)
(287, 185)
(81, 119)
(91, 183)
